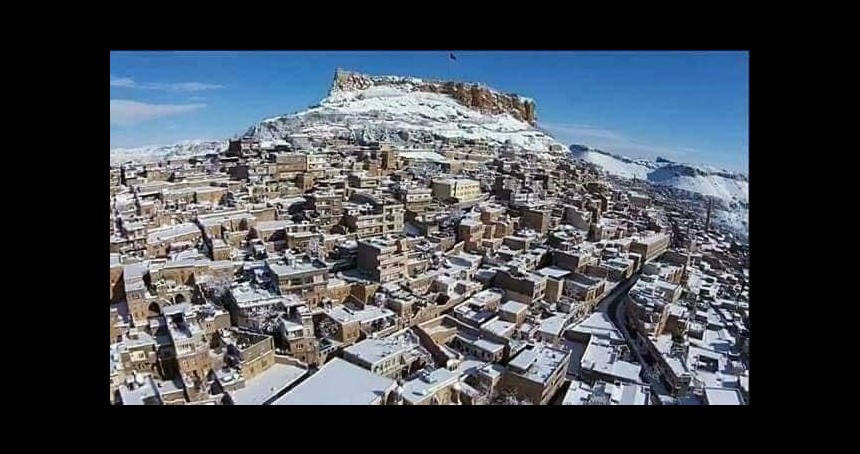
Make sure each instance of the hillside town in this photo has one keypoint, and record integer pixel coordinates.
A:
(321, 271)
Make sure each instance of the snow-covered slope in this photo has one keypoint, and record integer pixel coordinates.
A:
(403, 110)
(722, 185)
(736, 221)
(157, 152)
(709, 181)
(616, 165)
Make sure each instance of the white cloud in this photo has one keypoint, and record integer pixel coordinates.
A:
(124, 82)
(184, 87)
(613, 141)
(126, 112)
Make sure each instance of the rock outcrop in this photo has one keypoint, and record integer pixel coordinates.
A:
(475, 96)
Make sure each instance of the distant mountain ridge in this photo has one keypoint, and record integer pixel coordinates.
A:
(706, 180)
(151, 153)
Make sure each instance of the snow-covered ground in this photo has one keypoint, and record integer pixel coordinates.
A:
(400, 113)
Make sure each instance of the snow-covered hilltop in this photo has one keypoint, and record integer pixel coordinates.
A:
(158, 152)
(727, 186)
(406, 110)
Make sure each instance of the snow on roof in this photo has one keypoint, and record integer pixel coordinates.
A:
(513, 307)
(487, 345)
(145, 388)
(425, 385)
(245, 294)
(298, 267)
(663, 344)
(174, 231)
(553, 272)
(263, 387)
(428, 156)
(368, 314)
(499, 327)
(599, 324)
(603, 357)
(339, 382)
(484, 297)
(272, 225)
(723, 396)
(372, 351)
(466, 312)
(553, 325)
(538, 363)
(581, 393)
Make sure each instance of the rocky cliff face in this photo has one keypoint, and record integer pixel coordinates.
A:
(474, 96)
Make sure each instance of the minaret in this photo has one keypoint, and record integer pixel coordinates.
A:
(708, 215)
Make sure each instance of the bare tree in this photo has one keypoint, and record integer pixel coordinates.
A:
(507, 397)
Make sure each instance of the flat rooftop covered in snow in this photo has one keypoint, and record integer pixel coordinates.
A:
(485, 297)
(469, 314)
(339, 382)
(425, 385)
(538, 363)
(599, 324)
(663, 345)
(372, 351)
(368, 314)
(427, 156)
(480, 343)
(295, 268)
(167, 233)
(603, 393)
(513, 307)
(602, 357)
(260, 389)
(554, 272)
(723, 396)
(499, 327)
(247, 294)
(553, 325)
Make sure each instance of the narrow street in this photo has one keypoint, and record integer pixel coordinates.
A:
(607, 306)
(613, 306)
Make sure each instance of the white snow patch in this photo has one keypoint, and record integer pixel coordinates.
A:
(616, 166)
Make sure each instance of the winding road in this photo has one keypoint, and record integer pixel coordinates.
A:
(613, 306)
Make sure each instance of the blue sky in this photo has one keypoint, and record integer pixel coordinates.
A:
(685, 106)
